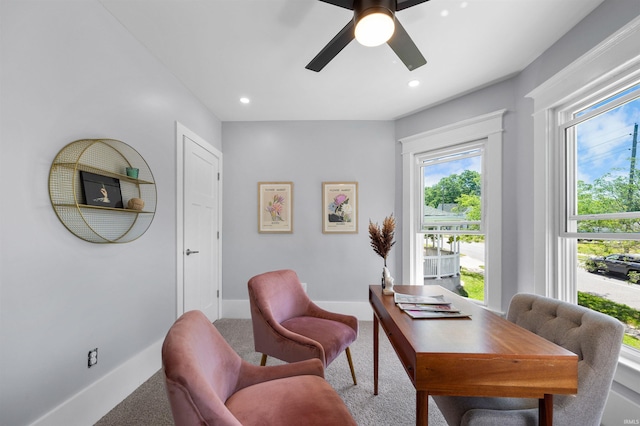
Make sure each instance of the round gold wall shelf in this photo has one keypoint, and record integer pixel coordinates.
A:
(81, 160)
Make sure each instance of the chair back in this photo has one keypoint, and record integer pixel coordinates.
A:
(201, 372)
(277, 295)
(595, 337)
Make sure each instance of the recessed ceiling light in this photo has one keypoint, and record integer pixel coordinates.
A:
(245, 100)
(414, 83)
(463, 5)
(445, 12)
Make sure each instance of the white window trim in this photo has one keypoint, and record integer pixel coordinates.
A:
(489, 127)
(597, 70)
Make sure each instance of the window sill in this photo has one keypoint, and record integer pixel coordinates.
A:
(628, 372)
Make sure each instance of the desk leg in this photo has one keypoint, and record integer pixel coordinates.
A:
(422, 408)
(545, 410)
(376, 326)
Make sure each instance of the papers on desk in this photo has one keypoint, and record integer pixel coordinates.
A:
(435, 315)
(427, 307)
(423, 300)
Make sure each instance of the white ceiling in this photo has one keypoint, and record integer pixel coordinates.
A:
(226, 49)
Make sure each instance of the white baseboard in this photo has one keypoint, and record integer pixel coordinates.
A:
(360, 310)
(92, 403)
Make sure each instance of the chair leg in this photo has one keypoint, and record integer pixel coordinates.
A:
(263, 361)
(353, 372)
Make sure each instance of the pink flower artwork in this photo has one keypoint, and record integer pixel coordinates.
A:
(275, 207)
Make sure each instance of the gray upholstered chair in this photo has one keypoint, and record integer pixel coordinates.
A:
(596, 339)
(287, 325)
(209, 384)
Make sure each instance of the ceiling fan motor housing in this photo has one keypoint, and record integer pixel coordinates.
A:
(362, 8)
(394, 34)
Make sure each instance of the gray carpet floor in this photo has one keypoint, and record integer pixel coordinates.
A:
(394, 404)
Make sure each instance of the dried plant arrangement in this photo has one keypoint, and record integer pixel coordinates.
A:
(382, 238)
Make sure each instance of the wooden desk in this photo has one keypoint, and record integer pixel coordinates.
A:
(484, 355)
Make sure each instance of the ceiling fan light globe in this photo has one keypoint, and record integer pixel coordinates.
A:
(374, 29)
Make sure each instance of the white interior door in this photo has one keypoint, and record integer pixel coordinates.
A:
(201, 242)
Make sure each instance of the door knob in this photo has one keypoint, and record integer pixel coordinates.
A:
(189, 251)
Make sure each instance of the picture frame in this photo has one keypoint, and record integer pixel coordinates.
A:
(340, 207)
(101, 191)
(275, 207)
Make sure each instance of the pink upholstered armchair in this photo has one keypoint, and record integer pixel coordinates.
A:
(287, 325)
(209, 384)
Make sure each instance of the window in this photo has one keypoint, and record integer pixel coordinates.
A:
(585, 182)
(451, 217)
(601, 209)
(602, 180)
(452, 189)
(446, 201)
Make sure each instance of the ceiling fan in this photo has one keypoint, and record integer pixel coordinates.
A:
(380, 14)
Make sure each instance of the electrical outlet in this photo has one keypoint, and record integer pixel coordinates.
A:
(93, 357)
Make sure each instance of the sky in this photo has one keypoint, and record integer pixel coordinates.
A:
(605, 142)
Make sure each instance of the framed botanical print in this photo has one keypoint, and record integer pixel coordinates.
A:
(339, 207)
(275, 207)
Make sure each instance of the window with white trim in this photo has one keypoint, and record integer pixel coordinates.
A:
(468, 155)
(575, 217)
(600, 208)
(450, 212)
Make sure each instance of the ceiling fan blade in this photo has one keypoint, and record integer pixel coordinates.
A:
(347, 4)
(405, 4)
(405, 48)
(334, 47)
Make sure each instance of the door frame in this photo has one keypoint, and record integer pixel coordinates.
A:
(181, 132)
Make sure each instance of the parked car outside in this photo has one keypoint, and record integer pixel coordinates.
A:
(619, 264)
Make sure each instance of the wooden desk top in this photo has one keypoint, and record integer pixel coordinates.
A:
(484, 355)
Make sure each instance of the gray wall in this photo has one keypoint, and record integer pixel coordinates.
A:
(70, 71)
(337, 267)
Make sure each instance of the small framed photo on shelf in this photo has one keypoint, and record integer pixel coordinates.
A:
(101, 191)
(275, 207)
(339, 207)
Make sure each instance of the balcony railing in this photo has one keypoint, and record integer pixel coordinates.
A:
(446, 264)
